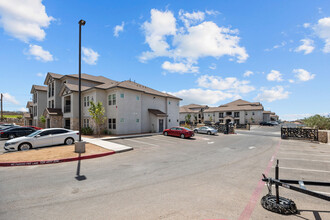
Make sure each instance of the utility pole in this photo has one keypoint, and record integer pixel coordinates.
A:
(1, 119)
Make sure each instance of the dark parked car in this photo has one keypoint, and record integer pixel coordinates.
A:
(16, 132)
(179, 132)
(4, 126)
(264, 123)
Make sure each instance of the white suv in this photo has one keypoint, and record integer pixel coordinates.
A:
(43, 138)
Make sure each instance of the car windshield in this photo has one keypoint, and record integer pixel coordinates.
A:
(187, 129)
(34, 133)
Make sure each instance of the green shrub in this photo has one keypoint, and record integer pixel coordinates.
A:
(87, 131)
(106, 132)
(322, 122)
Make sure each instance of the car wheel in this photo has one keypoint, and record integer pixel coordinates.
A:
(182, 135)
(24, 146)
(209, 132)
(69, 141)
(165, 133)
(196, 131)
(11, 136)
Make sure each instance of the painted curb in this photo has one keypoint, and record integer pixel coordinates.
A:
(43, 162)
(129, 136)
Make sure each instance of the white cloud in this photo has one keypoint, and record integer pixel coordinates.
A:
(22, 109)
(303, 75)
(248, 73)
(212, 12)
(307, 46)
(39, 53)
(186, 44)
(322, 29)
(213, 66)
(179, 67)
(203, 96)
(274, 75)
(291, 81)
(191, 18)
(283, 43)
(24, 19)
(40, 74)
(231, 84)
(307, 25)
(118, 28)
(9, 98)
(273, 94)
(292, 117)
(89, 56)
(161, 25)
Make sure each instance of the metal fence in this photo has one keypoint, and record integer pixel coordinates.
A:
(243, 126)
(299, 133)
(226, 129)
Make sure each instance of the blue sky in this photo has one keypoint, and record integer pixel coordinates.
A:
(205, 52)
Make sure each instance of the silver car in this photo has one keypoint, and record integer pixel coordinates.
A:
(205, 130)
(42, 138)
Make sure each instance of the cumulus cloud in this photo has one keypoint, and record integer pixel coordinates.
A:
(40, 74)
(274, 75)
(203, 96)
(179, 67)
(118, 28)
(307, 46)
(39, 53)
(322, 29)
(248, 73)
(303, 75)
(22, 109)
(9, 98)
(89, 56)
(231, 84)
(24, 19)
(282, 44)
(188, 43)
(273, 94)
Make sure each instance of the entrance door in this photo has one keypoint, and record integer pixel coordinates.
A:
(67, 123)
(48, 123)
(161, 125)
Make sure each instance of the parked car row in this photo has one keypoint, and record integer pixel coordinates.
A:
(270, 123)
(12, 131)
(184, 132)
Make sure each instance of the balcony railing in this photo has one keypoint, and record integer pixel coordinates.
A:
(67, 108)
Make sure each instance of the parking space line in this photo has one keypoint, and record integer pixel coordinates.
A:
(141, 142)
(307, 170)
(307, 154)
(323, 161)
(160, 139)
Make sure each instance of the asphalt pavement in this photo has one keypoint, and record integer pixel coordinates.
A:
(205, 177)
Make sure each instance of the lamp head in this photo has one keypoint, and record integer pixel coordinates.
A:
(82, 22)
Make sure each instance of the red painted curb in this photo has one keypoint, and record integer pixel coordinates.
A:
(43, 162)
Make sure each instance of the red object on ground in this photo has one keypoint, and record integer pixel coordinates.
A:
(179, 132)
(37, 128)
(43, 162)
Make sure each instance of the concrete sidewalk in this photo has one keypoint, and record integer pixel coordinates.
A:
(130, 136)
(118, 148)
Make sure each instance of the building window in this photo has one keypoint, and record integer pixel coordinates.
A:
(236, 114)
(53, 105)
(112, 123)
(177, 120)
(169, 103)
(137, 120)
(122, 95)
(86, 123)
(138, 98)
(85, 101)
(53, 89)
(122, 120)
(246, 113)
(221, 121)
(169, 120)
(252, 113)
(221, 115)
(236, 121)
(112, 99)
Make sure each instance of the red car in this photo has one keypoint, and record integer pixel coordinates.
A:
(179, 132)
(37, 128)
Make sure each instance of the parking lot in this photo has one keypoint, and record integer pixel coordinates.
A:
(206, 176)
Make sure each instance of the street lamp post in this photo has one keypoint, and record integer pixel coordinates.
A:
(80, 145)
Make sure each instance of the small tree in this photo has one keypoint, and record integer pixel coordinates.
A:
(97, 112)
(322, 122)
(42, 119)
(211, 118)
(187, 118)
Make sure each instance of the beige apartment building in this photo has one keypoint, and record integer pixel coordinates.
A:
(129, 106)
